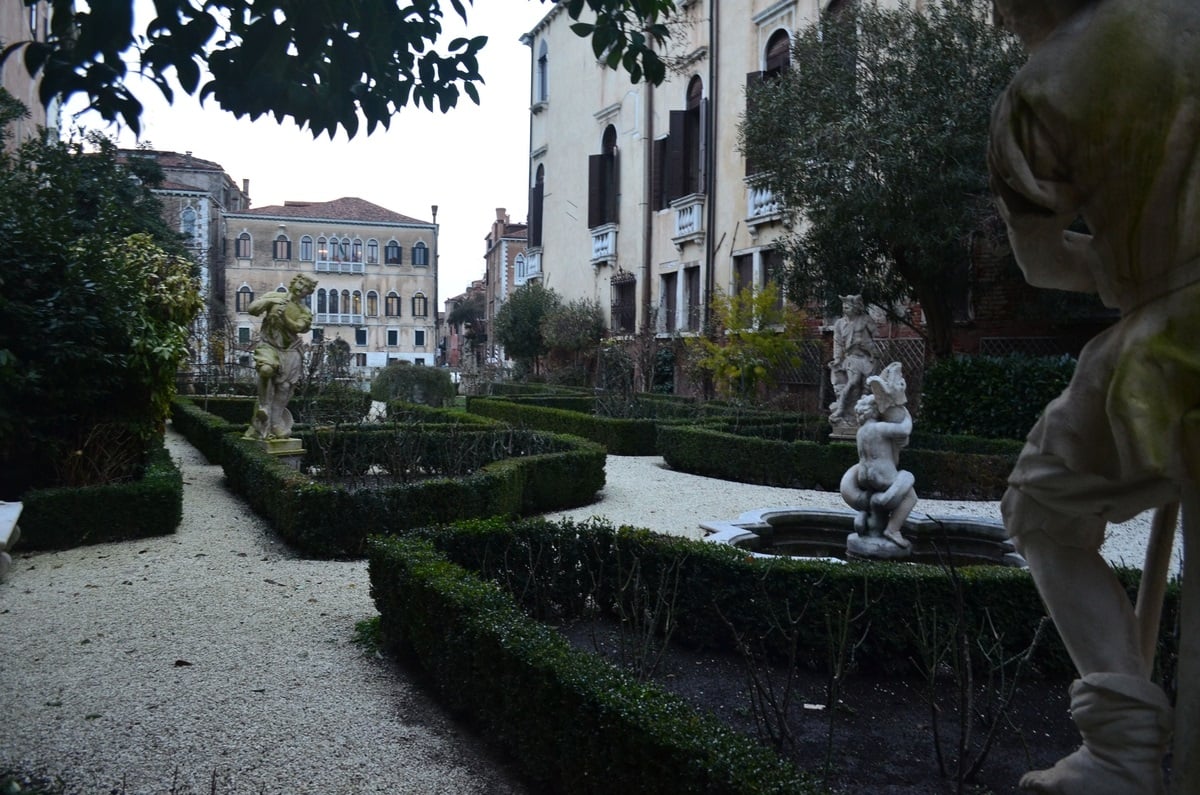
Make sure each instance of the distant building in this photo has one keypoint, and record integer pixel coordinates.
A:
(376, 271)
(195, 195)
(456, 334)
(507, 267)
(20, 22)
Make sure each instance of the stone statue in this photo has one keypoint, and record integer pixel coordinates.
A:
(1102, 126)
(277, 358)
(876, 486)
(853, 359)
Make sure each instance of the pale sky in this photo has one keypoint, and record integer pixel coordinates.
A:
(468, 161)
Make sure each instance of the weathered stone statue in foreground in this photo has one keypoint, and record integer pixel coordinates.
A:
(853, 362)
(277, 359)
(1103, 125)
(876, 487)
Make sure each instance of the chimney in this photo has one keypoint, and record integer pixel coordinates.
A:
(501, 215)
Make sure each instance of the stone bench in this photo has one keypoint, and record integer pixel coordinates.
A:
(9, 533)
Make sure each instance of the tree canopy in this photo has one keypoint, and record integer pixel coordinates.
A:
(518, 324)
(876, 136)
(323, 63)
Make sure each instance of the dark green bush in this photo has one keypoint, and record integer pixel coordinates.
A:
(205, 425)
(430, 386)
(990, 396)
(62, 518)
(573, 722)
(404, 412)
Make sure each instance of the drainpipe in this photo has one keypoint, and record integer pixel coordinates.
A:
(437, 326)
(714, 50)
(648, 210)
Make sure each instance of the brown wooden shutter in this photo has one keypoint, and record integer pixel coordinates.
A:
(658, 162)
(676, 148)
(596, 198)
(536, 195)
(753, 81)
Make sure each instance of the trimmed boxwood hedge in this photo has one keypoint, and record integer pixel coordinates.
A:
(331, 520)
(403, 411)
(206, 431)
(573, 722)
(619, 437)
(341, 405)
(945, 474)
(62, 518)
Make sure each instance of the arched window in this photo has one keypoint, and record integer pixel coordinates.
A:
(356, 251)
(372, 304)
(602, 181)
(322, 250)
(346, 301)
(242, 248)
(281, 289)
(343, 250)
(245, 297)
(392, 255)
(542, 82)
(356, 303)
(322, 303)
(333, 302)
(519, 267)
(306, 248)
(778, 54)
(391, 305)
(420, 305)
(536, 196)
(372, 252)
(693, 138)
(282, 248)
(187, 223)
(420, 255)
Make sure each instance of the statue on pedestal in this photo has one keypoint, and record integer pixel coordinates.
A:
(853, 360)
(1095, 162)
(876, 487)
(277, 359)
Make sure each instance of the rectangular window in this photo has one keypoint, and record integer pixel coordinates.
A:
(318, 335)
(372, 252)
(393, 337)
(691, 294)
(419, 338)
(419, 361)
(668, 301)
(360, 360)
(420, 255)
(360, 336)
(243, 335)
(743, 272)
(241, 248)
(245, 297)
(420, 306)
(624, 306)
(391, 305)
(282, 249)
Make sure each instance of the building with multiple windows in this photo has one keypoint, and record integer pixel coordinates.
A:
(506, 267)
(376, 273)
(196, 195)
(639, 197)
(25, 22)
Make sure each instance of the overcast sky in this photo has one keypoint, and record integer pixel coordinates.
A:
(468, 161)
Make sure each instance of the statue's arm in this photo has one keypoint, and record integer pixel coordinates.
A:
(266, 303)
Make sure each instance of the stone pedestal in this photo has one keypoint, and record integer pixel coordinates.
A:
(10, 512)
(875, 548)
(842, 431)
(289, 451)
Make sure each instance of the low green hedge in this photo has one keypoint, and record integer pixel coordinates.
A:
(341, 405)
(325, 519)
(945, 474)
(62, 518)
(403, 411)
(619, 437)
(205, 430)
(573, 722)
(561, 569)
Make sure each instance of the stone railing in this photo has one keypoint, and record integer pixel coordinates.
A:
(689, 219)
(331, 266)
(336, 319)
(604, 245)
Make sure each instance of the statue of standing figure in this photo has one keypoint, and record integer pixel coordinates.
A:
(278, 359)
(1102, 126)
(876, 487)
(853, 359)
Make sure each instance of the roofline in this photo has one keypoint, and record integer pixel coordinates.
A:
(322, 220)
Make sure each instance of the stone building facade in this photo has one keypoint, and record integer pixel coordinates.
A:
(20, 22)
(506, 267)
(376, 271)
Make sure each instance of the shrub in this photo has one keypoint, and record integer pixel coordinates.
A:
(430, 386)
(991, 396)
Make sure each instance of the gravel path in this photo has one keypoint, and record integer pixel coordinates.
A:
(216, 654)
(159, 666)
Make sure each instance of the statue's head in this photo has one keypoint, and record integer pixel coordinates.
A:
(302, 284)
(865, 408)
(1034, 20)
(889, 387)
(852, 305)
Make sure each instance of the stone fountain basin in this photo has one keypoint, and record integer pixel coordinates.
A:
(820, 533)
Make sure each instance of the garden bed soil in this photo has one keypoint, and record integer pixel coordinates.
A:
(880, 737)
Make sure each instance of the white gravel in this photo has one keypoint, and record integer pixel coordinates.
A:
(643, 492)
(154, 666)
(216, 654)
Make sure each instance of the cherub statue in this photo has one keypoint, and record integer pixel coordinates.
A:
(277, 359)
(1095, 162)
(853, 357)
(876, 486)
